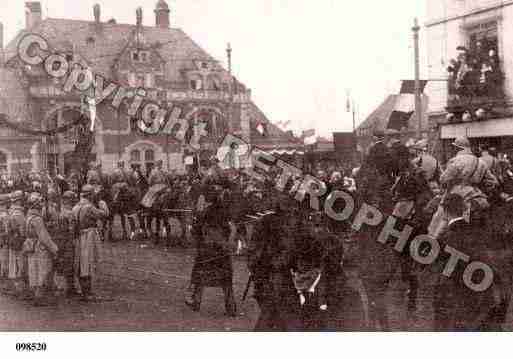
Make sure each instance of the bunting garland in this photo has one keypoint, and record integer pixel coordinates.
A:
(4, 122)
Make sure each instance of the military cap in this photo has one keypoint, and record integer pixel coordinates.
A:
(461, 142)
(69, 195)
(87, 190)
(378, 133)
(17, 196)
(35, 198)
(4, 199)
(421, 144)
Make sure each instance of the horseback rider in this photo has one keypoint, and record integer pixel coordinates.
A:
(465, 175)
(86, 215)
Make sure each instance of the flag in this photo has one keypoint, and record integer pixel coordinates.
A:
(308, 136)
(399, 120)
(91, 101)
(261, 129)
(408, 86)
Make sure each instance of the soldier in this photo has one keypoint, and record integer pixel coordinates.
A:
(213, 263)
(40, 249)
(93, 176)
(17, 260)
(379, 157)
(464, 174)
(488, 156)
(157, 175)
(4, 242)
(86, 215)
(65, 239)
(428, 163)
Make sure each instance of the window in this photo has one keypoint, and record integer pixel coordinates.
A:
(140, 56)
(135, 156)
(90, 40)
(149, 156)
(196, 84)
(3, 162)
(149, 80)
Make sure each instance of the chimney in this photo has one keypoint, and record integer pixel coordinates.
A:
(33, 14)
(139, 16)
(162, 15)
(97, 13)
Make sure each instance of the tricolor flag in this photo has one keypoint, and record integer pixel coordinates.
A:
(404, 106)
(308, 136)
(261, 129)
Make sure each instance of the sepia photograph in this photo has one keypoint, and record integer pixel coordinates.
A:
(217, 166)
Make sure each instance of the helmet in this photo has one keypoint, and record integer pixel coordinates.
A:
(87, 190)
(378, 133)
(35, 199)
(421, 145)
(4, 199)
(461, 142)
(69, 195)
(17, 196)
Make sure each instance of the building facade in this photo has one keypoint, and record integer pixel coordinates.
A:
(163, 61)
(470, 71)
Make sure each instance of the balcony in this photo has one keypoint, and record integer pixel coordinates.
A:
(475, 87)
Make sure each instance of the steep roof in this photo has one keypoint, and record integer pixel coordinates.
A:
(109, 41)
(274, 137)
(379, 118)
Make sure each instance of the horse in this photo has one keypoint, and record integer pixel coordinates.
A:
(166, 201)
(377, 262)
(124, 201)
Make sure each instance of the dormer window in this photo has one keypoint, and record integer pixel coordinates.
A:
(140, 56)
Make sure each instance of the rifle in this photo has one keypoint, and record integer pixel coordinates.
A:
(246, 289)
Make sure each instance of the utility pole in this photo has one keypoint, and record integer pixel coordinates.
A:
(231, 86)
(418, 104)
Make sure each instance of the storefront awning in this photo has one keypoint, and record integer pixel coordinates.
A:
(490, 128)
(281, 152)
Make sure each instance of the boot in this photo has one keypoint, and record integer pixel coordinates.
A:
(86, 285)
(39, 300)
(194, 302)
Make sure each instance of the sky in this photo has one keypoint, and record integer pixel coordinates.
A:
(299, 57)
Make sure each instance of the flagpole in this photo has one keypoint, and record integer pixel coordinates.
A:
(418, 105)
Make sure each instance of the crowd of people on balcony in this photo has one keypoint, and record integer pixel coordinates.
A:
(476, 71)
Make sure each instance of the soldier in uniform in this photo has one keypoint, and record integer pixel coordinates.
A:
(17, 260)
(463, 175)
(488, 156)
(65, 239)
(157, 175)
(40, 249)
(93, 176)
(86, 215)
(213, 263)
(427, 162)
(4, 242)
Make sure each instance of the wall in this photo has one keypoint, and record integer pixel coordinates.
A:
(445, 37)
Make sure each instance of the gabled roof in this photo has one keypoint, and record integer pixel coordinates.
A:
(275, 137)
(176, 47)
(379, 118)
